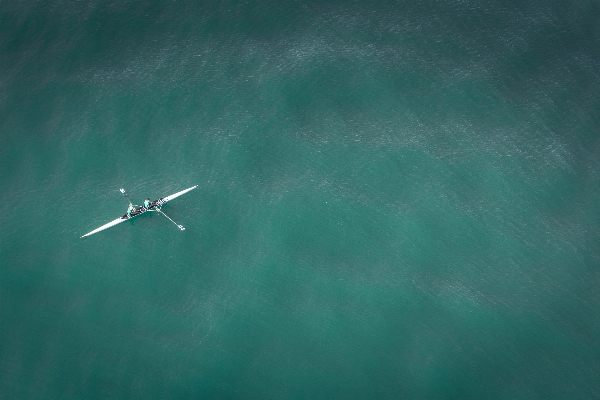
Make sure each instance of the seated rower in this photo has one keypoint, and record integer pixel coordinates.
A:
(130, 209)
(147, 203)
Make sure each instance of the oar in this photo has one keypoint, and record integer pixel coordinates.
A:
(160, 211)
(127, 197)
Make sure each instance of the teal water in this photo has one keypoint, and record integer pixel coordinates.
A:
(396, 200)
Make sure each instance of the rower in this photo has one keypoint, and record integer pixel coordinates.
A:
(130, 209)
(147, 203)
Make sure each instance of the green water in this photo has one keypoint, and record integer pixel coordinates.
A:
(395, 200)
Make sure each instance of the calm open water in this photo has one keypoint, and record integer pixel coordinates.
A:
(396, 199)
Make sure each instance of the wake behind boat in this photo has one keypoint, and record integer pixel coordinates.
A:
(139, 210)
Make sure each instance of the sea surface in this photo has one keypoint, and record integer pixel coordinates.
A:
(397, 199)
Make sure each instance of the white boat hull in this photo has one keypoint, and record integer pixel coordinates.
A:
(106, 226)
(155, 204)
(171, 197)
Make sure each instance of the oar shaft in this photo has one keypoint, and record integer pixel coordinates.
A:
(127, 197)
(179, 226)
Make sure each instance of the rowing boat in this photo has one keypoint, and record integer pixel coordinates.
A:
(139, 210)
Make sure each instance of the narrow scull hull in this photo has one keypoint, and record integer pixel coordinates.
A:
(155, 205)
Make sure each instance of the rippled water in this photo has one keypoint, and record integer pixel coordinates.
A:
(395, 200)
